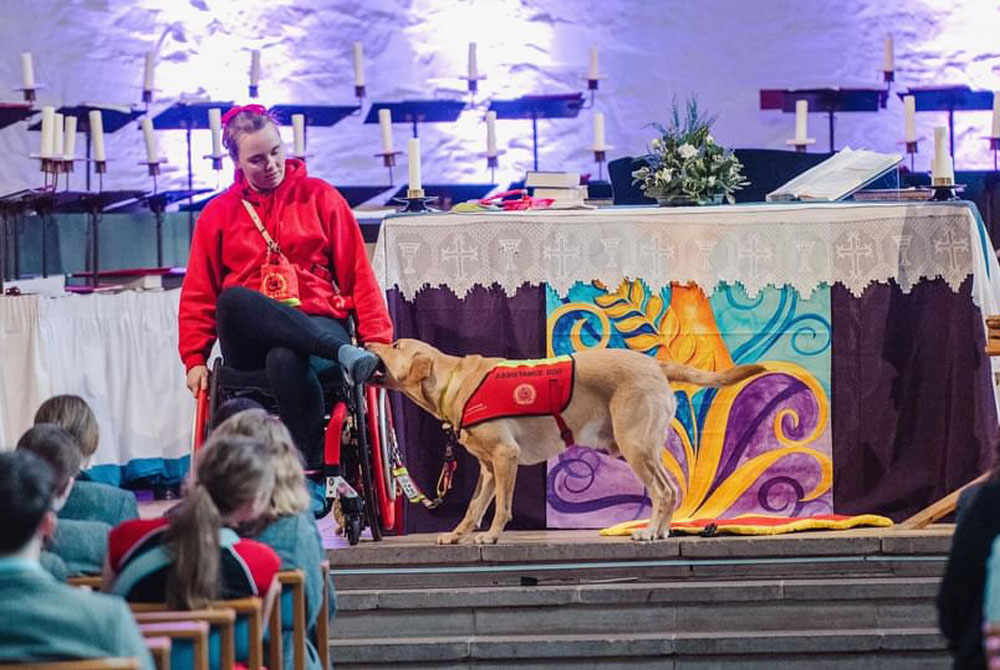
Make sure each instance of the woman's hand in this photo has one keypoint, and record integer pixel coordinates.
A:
(197, 379)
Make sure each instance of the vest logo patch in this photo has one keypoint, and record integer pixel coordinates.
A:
(525, 394)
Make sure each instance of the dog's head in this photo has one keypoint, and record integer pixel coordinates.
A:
(407, 366)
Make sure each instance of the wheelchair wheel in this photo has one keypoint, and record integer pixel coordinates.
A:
(365, 463)
(353, 529)
(381, 468)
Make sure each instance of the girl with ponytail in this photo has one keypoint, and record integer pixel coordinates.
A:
(192, 556)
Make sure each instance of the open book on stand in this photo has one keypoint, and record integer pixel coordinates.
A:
(837, 177)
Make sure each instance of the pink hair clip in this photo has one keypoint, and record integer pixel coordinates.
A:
(253, 109)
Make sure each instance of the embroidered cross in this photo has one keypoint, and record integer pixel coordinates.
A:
(952, 246)
(659, 253)
(459, 254)
(855, 252)
(562, 253)
(756, 254)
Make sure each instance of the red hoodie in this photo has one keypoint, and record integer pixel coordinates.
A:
(312, 224)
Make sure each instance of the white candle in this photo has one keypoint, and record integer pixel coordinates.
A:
(942, 170)
(413, 156)
(473, 62)
(599, 132)
(910, 118)
(889, 61)
(215, 125)
(299, 134)
(995, 128)
(801, 121)
(385, 125)
(491, 133)
(27, 70)
(150, 138)
(69, 140)
(57, 135)
(359, 66)
(592, 72)
(255, 67)
(48, 131)
(147, 75)
(97, 134)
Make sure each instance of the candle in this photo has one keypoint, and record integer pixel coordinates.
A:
(147, 77)
(385, 125)
(215, 125)
(299, 134)
(599, 132)
(801, 120)
(942, 171)
(592, 72)
(255, 67)
(48, 131)
(27, 70)
(910, 118)
(473, 62)
(57, 135)
(97, 134)
(995, 128)
(69, 140)
(491, 133)
(413, 156)
(147, 134)
(359, 68)
(889, 62)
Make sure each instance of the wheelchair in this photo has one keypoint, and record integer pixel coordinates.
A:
(359, 447)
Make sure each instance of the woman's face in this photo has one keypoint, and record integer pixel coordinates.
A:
(262, 157)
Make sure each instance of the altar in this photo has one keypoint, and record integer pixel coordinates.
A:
(868, 317)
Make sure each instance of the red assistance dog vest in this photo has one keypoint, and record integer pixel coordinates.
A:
(540, 387)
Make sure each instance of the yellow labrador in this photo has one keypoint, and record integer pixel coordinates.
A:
(621, 403)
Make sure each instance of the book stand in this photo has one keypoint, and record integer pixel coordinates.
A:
(534, 107)
(828, 100)
(949, 99)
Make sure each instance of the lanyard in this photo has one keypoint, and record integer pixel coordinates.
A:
(271, 244)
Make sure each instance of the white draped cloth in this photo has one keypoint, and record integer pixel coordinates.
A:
(117, 351)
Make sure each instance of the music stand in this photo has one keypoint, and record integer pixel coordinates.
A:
(12, 206)
(445, 193)
(534, 107)
(418, 111)
(12, 112)
(318, 116)
(829, 100)
(157, 204)
(949, 99)
(113, 118)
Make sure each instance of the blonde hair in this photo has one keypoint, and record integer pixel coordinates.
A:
(231, 472)
(245, 122)
(72, 414)
(289, 496)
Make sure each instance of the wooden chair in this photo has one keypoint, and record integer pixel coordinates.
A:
(159, 649)
(156, 621)
(92, 582)
(86, 664)
(322, 640)
(293, 583)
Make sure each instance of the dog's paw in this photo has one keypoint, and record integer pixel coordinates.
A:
(486, 538)
(648, 535)
(448, 538)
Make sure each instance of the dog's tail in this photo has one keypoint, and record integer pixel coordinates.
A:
(676, 372)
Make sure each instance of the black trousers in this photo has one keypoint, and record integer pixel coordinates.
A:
(257, 332)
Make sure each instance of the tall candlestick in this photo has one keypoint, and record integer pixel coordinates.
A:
(473, 62)
(57, 136)
(592, 72)
(995, 127)
(359, 66)
(413, 156)
(69, 140)
(147, 75)
(215, 125)
(801, 121)
(48, 131)
(97, 134)
(255, 67)
(150, 138)
(27, 70)
(889, 61)
(385, 125)
(599, 144)
(942, 170)
(299, 134)
(910, 118)
(491, 133)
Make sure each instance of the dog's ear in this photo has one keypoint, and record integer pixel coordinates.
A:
(421, 367)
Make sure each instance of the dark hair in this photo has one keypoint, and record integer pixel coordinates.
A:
(57, 448)
(234, 406)
(73, 414)
(230, 472)
(26, 485)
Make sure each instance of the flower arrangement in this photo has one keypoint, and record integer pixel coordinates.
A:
(685, 164)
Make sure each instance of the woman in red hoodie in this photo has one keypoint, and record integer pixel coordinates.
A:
(272, 260)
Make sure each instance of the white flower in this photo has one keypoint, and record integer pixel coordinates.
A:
(665, 176)
(709, 139)
(687, 151)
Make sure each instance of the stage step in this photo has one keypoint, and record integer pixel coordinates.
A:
(897, 649)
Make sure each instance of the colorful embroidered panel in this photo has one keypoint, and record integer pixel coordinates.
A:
(762, 446)
(521, 388)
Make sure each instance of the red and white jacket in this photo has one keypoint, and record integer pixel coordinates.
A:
(315, 228)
